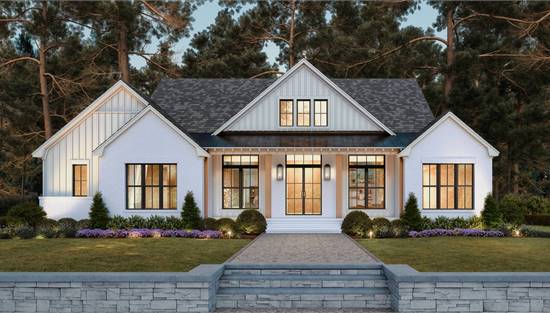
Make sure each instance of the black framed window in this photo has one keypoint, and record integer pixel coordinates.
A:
(80, 180)
(303, 112)
(447, 186)
(240, 182)
(320, 113)
(366, 182)
(286, 117)
(151, 186)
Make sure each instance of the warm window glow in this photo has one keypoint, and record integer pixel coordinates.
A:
(303, 184)
(303, 111)
(240, 182)
(151, 186)
(366, 182)
(447, 186)
(80, 180)
(285, 113)
(320, 113)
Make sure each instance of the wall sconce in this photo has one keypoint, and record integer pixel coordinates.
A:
(326, 172)
(280, 175)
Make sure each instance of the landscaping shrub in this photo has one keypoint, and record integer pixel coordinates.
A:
(491, 214)
(411, 218)
(117, 222)
(172, 222)
(536, 205)
(455, 232)
(530, 231)
(210, 223)
(68, 227)
(99, 214)
(397, 228)
(84, 223)
(538, 219)
(382, 228)
(29, 213)
(146, 233)
(356, 223)
(155, 222)
(7, 221)
(25, 232)
(136, 221)
(227, 227)
(6, 233)
(8, 202)
(190, 214)
(251, 222)
(47, 231)
(513, 208)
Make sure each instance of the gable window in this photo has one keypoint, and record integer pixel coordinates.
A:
(80, 180)
(320, 113)
(447, 186)
(366, 181)
(240, 182)
(151, 186)
(303, 111)
(286, 113)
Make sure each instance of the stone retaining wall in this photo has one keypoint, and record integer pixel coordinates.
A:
(413, 291)
(193, 291)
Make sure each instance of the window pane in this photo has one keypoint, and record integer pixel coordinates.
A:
(285, 113)
(227, 198)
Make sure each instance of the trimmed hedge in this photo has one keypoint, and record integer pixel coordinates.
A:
(251, 222)
(356, 223)
(529, 231)
(538, 219)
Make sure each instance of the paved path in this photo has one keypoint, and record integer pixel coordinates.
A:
(300, 311)
(303, 248)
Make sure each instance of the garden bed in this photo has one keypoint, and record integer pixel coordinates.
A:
(114, 255)
(464, 254)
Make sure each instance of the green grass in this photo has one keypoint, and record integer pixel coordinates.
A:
(114, 255)
(459, 254)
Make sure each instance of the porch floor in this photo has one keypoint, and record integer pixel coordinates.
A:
(303, 249)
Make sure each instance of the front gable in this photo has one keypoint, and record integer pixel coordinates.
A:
(304, 82)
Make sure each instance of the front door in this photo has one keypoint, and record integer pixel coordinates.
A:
(303, 185)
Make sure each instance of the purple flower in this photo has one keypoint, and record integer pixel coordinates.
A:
(456, 232)
(146, 233)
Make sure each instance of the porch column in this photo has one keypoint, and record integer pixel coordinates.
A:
(339, 181)
(267, 185)
(205, 189)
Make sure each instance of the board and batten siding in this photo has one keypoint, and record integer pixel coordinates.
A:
(304, 84)
(77, 145)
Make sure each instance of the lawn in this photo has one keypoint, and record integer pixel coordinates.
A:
(459, 254)
(114, 255)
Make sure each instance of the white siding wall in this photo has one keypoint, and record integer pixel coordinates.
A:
(149, 140)
(304, 84)
(449, 143)
(77, 146)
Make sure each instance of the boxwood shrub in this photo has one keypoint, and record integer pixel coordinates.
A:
(382, 228)
(251, 222)
(356, 223)
(210, 223)
(228, 227)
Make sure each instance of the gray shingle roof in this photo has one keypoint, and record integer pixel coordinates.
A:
(203, 105)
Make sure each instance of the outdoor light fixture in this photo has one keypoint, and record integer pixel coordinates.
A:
(280, 172)
(326, 173)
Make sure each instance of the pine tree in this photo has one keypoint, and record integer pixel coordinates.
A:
(190, 213)
(491, 214)
(99, 214)
(411, 218)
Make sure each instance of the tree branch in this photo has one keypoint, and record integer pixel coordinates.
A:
(266, 73)
(20, 59)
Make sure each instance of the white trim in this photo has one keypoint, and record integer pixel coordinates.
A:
(289, 73)
(492, 151)
(99, 150)
(41, 151)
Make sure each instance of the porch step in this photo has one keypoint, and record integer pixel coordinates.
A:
(300, 286)
(306, 224)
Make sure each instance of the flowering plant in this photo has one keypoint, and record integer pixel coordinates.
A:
(146, 233)
(455, 232)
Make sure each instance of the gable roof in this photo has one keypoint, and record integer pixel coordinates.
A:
(150, 108)
(287, 75)
(492, 151)
(204, 105)
(41, 151)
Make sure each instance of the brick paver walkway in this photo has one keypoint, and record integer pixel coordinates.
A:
(303, 248)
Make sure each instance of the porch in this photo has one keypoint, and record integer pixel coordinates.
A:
(306, 190)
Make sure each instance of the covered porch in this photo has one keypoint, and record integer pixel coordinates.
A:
(303, 190)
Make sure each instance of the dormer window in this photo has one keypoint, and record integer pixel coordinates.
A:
(286, 113)
(304, 113)
(320, 113)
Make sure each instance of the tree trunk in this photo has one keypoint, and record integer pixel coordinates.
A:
(291, 57)
(42, 76)
(123, 64)
(449, 76)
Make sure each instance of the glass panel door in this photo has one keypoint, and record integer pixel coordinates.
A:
(303, 190)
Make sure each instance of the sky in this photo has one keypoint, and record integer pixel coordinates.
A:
(206, 14)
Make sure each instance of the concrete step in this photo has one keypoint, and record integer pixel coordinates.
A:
(366, 298)
(303, 281)
(375, 270)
